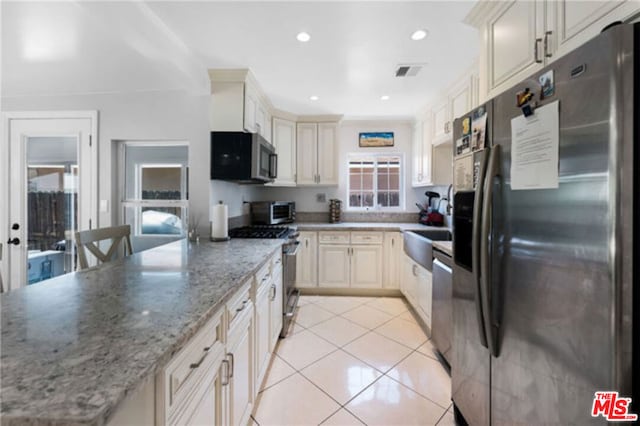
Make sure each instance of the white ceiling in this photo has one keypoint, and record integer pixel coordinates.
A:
(351, 58)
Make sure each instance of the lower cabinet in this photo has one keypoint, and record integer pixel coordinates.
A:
(333, 265)
(307, 260)
(350, 259)
(416, 286)
(366, 266)
(240, 390)
(392, 265)
(214, 379)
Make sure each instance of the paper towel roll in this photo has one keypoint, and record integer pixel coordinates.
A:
(220, 222)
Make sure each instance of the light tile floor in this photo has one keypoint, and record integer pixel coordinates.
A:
(353, 361)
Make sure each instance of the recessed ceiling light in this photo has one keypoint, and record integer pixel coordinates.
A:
(314, 98)
(303, 37)
(384, 97)
(419, 35)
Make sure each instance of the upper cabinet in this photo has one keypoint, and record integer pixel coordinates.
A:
(237, 104)
(522, 36)
(317, 154)
(284, 140)
(432, 147)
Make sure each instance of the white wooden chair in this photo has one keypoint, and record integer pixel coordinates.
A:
(87, 239)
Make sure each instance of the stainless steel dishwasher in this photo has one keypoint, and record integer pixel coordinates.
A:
(442, 315)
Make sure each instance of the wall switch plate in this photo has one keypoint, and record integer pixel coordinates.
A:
(104, 206)
(321, 198)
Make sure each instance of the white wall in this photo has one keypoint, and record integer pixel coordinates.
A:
(305, 197)
(119, 59)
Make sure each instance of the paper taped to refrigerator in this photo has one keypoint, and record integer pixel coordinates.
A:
(534, 149)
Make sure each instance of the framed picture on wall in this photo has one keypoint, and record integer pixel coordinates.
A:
(375, 139)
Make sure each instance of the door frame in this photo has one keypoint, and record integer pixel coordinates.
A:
(5, 149)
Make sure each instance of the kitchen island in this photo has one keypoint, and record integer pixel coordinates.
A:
(75, 347)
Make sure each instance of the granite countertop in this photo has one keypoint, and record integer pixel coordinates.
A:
(444, 246)
(362, 226)
(73, 347)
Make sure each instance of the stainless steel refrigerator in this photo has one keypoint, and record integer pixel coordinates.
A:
(543, 303)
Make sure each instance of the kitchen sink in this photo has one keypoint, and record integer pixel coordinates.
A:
(418, 244)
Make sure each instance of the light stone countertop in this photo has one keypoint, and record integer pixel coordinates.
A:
(73, 347)
(444, 246)
(362, 226)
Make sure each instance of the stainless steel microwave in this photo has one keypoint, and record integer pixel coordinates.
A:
(272, 212)
(242, 157)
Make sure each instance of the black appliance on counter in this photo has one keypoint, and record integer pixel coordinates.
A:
(243, 158)
(290, 294)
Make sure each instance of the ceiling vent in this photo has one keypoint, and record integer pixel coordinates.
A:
(408, 70)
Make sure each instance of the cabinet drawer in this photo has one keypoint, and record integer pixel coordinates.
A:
(182, 372)
(239, 303)
(361, 237)
(332, 237)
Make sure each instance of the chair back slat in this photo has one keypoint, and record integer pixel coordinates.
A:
(87, 239)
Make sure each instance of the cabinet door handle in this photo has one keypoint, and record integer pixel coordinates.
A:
(306, 243)
(536, 46)
(392, 241)
(244, 305)
(547, 52)
(273, 290)
(231, 365)
(414, 269)
(225, 376)
(197, 364)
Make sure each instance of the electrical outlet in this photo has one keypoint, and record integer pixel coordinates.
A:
(321, 198)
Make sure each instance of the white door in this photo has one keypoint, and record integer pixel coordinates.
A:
(515, 43)
(51, 192)
(241, 381)
(392, 251)
(284, 139)
(328, 153)
(366, 266)
(333, 265)
(416, 154)
(440, 120)
(307, 153)
(263, 326)
(306, 260)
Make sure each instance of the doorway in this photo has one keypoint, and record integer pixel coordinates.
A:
(50, 189)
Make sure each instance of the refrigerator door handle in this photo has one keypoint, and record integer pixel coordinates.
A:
(475, 246)
(491, 327)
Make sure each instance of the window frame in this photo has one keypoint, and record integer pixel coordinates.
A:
(138, 203)
(401, 184)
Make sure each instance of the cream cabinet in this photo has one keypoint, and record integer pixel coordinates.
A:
(317, 154)
(432, 147)
(350, 259)
(237, 103)
(240, 356)
(522, 36)
(392, 257)
(276, 310)
(334, 265)
(307, 260)
(453, 104)
(416, 287)
(284, 140)
(366, 266)
(263, 332)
